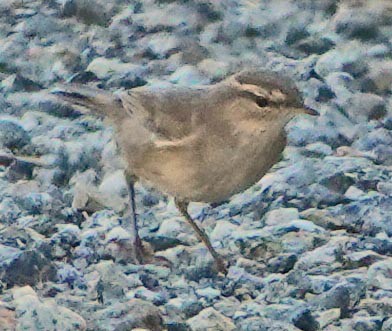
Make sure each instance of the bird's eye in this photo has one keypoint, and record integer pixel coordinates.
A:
(262, 102)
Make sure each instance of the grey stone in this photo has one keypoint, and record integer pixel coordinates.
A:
(28, 268)
(387, 325)
(305, 321)
(12, 135)
(17, 82)
(188, 75)
(365, 106)
(209, 318)
(380, 275)
(282, 264)
(129, 315)
(32, 313)
(89, 12)
(367, 323)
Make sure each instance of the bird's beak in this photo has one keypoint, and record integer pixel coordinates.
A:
(311, 111)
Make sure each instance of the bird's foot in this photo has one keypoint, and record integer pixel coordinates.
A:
(139, 251)
(221, 265)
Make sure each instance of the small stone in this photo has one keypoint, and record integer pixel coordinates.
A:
(354, 193)
(32, 313)
(105, 68)
(282, 263)
(362, 259)
(208, 293)
(223, 229)
(12, 135)
(385, 188)
(28, 268)
(187, 307)
(356, 23)
(210, 319)
(327, 317)
(365, 106)
(367, 323)
(318, 149)
(97, 12)
(305, 321)
(281, 216)
(387, 326)
(380, 275)
(15, 83)
(379, 306)
(7, 318)
(188, 75)
(129, 315)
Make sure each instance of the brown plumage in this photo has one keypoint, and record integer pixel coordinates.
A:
(201, 143)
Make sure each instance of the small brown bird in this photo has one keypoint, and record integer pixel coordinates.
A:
(200, 144)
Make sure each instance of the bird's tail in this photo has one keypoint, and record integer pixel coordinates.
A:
(93, 100)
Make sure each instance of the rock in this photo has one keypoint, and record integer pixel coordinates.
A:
(28, 268)
(387, 325)
(379, 78)
(209, 318)
(347, 58)
(208, 293)
(322, 218)
(354, 193)
(89, 12)
(157, 298)
(222, 230)
(32, 313)
(318, 149)
(105, 68)
(9, 210)
(188, 75)
(379, 306)
(281, 216)
(113, 282)
(385, 188)
(12, 135)
(7, 318)
(328, 317)
(365, 106)
(305, 321)
(17, 82)
(134, 313)
(366, 323)
(184, 307)
(282, 263)
(355, 23)
(343, 296)
(213, 69)
(362, 258)
(373, 139)
(264, 324)
(301, 132)
(380, 275)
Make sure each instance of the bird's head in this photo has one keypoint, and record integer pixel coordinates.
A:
(270, 91)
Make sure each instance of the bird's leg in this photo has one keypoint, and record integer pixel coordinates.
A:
(136, 241)
(183, 208)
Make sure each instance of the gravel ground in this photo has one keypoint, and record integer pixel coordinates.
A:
(310, 245)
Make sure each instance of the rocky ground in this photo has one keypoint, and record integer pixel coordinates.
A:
(310, 245)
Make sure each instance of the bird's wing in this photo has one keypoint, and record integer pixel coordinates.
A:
(168, 112)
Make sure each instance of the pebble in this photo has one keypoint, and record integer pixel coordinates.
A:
(209, 318)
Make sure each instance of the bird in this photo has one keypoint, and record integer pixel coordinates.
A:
(201, 143)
